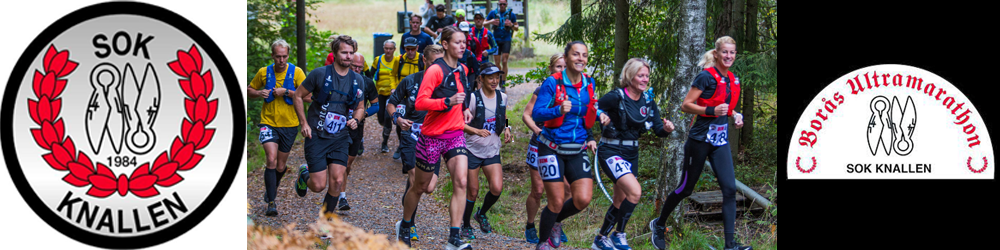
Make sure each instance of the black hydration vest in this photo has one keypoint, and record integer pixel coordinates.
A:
(410, 112)
(327, 90)
(501, 113)
(626, 116)
(443, 90)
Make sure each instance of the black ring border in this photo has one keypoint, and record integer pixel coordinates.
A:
(40, 43)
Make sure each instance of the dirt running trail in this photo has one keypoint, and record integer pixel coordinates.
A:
(375, 187)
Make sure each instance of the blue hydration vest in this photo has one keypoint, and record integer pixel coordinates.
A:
(289, 82)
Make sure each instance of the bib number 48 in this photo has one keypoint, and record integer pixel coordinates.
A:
(717, 134)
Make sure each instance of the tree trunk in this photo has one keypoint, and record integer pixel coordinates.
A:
(300, 34)
(736, 30)
(723, 21)
(750, 41)
(526, 41)
(692, 46)
(576, 10)
(749, 99)
(621, 35)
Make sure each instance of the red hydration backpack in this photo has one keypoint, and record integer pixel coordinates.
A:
(481, 44)
(561, 96)
(720, 92)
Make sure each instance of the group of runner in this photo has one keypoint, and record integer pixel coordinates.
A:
(447, 106)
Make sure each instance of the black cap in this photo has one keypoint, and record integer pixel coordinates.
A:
(410, 42)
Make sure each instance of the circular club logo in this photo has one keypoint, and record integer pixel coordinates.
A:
(865, 125)
(121, 130)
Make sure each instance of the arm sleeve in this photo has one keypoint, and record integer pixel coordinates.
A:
(541, 112)
(258, 80)
(432, 78)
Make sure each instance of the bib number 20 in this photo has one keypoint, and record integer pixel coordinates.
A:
(548, 167)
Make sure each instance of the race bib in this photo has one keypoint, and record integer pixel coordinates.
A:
(265, 134)
(491, 125)
(717, 134)
(334, 122)
(401, 109)
(532, 158)
(415, 130)
(619, 166)
(548, 167)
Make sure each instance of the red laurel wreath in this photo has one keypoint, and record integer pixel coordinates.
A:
(797, 159)
(969, 163)
(51, 136)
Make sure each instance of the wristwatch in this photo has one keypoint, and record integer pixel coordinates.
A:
(447, 102)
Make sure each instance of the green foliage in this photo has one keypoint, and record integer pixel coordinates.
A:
(267, 21)
(651, 37)
(538, 74)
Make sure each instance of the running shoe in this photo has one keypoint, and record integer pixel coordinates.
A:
(659, 235)
(342, 206)
(557, 228)
(467, 232)
(602, 242)
(531, 235)
(738, 246)
(272, 209)
(618, 240)
(413, 233)
(484, 223)
(454, 243)
(400, 230)
(300, 184)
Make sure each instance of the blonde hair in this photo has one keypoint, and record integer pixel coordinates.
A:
(282, 43)
(433, 50)
(552, 62)
(708, 60)
(631, 68)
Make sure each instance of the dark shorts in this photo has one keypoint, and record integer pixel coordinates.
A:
(357, 143)
(503, 47)
(476, 162)
(617, 161)
(555, 167)
(284, 137)
(321, 152)
(429, 151)
(532, 157)
(407, 151)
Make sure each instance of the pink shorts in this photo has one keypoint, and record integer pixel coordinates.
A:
(431, 148)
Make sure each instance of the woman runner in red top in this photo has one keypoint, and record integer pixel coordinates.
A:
(442, 94)
(712, 97)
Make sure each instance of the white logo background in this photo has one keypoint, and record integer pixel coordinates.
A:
(842, 138)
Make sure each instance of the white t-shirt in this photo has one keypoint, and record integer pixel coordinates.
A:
(484, 147)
